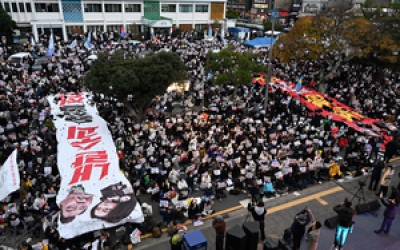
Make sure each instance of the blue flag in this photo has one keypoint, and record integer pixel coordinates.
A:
(299, 84)
(209, 30)
(88, 44)
(51, 48)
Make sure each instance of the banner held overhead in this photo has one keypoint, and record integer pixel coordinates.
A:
(94, 194)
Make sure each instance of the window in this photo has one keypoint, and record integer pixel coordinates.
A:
(114, 28)
(14, 7)
(7, 7)
(113, 7)
(21, 7)
(200, 27)
(28, 7)
(47, 7)
(168, 8)
(93, 8)
(185, 8)
(97, 28)
(201, 8)
(133, 8)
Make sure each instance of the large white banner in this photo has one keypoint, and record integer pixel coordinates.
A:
(94, 193)
(9, 176)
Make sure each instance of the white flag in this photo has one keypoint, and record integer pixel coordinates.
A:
(33, 43)
(9, 176)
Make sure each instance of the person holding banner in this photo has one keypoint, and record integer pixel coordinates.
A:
(117, 203)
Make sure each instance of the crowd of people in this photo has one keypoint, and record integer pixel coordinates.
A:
(229, 147)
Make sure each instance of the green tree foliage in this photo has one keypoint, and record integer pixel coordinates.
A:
(7, 24)
(114, 75)
(231, 14)
(336, 31)
(268, 26)
(231, 67)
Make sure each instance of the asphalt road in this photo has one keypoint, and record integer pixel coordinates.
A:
(321, 199)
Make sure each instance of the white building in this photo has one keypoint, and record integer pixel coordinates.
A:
(136, 16)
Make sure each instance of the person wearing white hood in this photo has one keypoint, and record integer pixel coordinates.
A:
(258, 212)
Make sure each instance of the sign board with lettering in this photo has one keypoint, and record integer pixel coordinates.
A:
(162, 24)
(9, 176)
(89, 169)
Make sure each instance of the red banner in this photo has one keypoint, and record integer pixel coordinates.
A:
(330, 107)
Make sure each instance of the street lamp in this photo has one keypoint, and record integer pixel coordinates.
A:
(269, 73)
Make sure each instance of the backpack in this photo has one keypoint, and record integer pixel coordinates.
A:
(156, 232)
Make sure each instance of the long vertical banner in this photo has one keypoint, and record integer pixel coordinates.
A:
(9, 176)
(94, 194)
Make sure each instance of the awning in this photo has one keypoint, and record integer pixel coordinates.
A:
(161, 24)
(260, 42)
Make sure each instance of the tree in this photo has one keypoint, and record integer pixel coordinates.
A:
(231, 14)
(268, 26)
(336, 32)
(231, 67)
(144, 78)
(7, 24)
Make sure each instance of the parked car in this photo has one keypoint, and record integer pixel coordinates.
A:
(38, 65)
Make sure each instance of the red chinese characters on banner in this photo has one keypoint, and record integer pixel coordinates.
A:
(83, 138)
(86, 161)
(71, 99)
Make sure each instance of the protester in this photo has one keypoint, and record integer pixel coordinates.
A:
(298, 228)
(344, 223)
(392, 206)
(386, 180)
(232, 133)
(258, 213)
(219, 227)
(312, 237)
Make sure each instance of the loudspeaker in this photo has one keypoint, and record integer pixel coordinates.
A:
(331, 222)
(270, 244)
(235, 239)
(363, 208)
(374, 205)
(285, 245)
(252, 230)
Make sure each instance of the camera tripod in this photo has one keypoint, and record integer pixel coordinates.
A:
(360, 191)
(359, 194)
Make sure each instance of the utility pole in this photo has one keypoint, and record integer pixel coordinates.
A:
(269, 73)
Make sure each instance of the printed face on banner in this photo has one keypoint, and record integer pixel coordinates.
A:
(94, 193)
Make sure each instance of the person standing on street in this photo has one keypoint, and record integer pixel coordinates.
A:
(392, 206)
(298, 228)
(376, 176)
(386, 180)
(219, 227)
(313, 235)
(258, 212)
(344, 223)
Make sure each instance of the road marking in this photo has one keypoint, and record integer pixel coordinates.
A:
(275, 209)
(394, 159)
(320, 200)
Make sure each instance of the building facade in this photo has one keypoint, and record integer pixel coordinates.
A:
(135, 16)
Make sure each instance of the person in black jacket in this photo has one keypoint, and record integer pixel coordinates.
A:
(392, 205)
(298, 228)
(375, 176)
(344, 222)
(258, 212)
